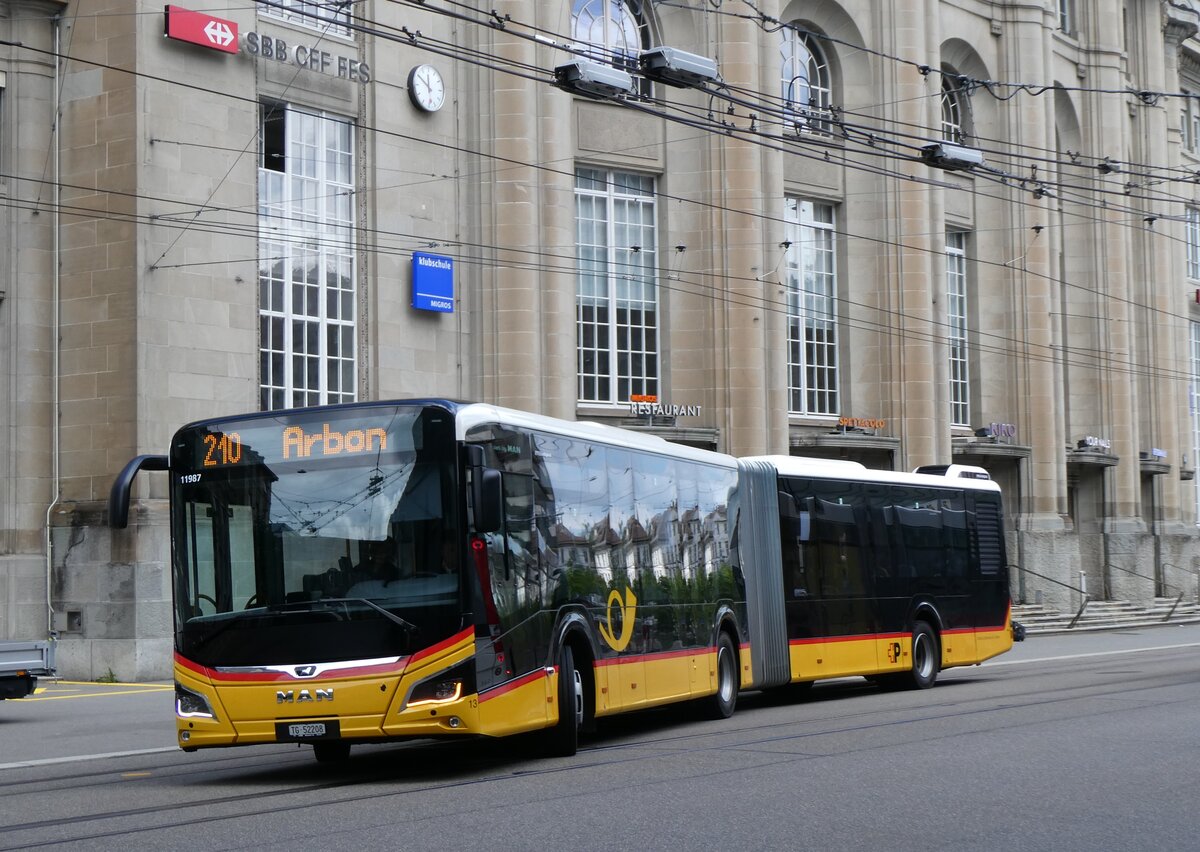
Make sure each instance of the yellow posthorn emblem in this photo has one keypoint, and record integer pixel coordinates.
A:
(628, 609)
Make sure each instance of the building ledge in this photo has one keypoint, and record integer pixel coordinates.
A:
(704, 437)
(1091, 457)
(855, 440)
(1153, 467)
(985, 448)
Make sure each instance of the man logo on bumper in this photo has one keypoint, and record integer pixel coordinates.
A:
(291, 696)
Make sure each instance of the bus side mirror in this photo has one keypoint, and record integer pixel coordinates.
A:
(487, 498)
(118, 496)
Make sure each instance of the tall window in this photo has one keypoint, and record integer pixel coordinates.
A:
(1194, 403)
(1190, 120)
(1192, 231)
(616, 295)
(953, 129)
(812, 309)
(1066, 16)
(804, 78)
(329, 17)
(306, 259)
(956, 325)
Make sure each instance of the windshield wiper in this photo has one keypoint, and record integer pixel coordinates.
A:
(391, 616)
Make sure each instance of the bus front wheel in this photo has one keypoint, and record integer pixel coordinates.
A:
(562, 740)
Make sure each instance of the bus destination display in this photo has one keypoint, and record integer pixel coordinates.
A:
(252, 444)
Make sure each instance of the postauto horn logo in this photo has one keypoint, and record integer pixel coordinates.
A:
(627, 609)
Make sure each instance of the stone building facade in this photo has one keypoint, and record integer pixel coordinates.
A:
(906, 232)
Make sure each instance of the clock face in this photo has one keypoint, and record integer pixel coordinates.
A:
(426, 88)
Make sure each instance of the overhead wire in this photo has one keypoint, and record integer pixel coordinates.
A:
(895, 245)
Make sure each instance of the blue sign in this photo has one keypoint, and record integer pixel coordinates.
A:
(432, 282)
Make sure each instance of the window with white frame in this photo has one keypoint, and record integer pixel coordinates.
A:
(1066, 16)
(1190, 121)
(1192, 233)
(812, 308)
(804, 81)
(953, 129)
(307, 338)
(329, 17)
(956, 328)
(617, 291)
(1194, 405)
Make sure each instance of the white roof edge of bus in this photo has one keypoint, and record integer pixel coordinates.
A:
(842, 469)
(479, 413)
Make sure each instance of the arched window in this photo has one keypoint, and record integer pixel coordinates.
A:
(804, 77)
(610, 31)
(953, 126)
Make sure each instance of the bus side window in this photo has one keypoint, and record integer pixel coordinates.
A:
(793, 533)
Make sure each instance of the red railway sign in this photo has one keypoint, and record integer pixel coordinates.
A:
(199, 28)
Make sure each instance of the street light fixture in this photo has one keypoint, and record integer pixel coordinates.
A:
(592, 80)
(951, 157)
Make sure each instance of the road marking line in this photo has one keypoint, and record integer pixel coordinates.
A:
(1092, 654)
(23, 764)
(97, 694)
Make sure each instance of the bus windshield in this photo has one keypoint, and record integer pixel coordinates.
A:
(316, 536)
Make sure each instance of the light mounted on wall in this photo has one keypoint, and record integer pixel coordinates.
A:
(951, 157)
(592, 80)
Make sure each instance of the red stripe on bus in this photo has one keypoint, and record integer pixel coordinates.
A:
(461, 636)
(516, 683)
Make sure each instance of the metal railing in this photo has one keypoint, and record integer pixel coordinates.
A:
(1084, 598)
(1159, 580)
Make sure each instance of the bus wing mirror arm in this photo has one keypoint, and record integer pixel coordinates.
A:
(488, 500)
(118, 497)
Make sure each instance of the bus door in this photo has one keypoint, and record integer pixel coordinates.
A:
(805, 628)
(517, 643)
(958, 638)
(847, 598)
(989, 599)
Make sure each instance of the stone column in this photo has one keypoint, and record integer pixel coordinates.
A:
(512, 315)
(908, 211)
(738, 256)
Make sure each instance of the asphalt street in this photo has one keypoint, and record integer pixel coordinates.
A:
(1068, 742)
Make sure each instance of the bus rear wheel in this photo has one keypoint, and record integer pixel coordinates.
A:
(562, 740)
(722, 703)
(925, 657)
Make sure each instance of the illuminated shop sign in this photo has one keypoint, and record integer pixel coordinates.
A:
(861, 423)
(432, 283)
(647, 405)
(1091, 442)
(998, 430)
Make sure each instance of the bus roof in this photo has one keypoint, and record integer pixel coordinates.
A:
(954, 476)
(475, 414)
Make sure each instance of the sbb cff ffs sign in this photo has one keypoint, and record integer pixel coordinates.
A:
(204, 30)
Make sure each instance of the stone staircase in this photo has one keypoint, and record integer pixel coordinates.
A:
(1107, 615)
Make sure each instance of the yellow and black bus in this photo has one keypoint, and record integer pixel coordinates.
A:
(373, 571)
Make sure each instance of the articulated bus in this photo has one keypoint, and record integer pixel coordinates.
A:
(427, 568)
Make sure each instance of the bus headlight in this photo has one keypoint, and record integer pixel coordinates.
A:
(445, 687)
(192, 705)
